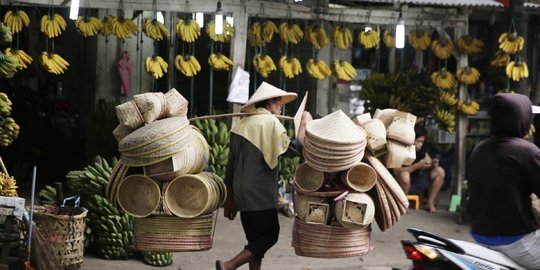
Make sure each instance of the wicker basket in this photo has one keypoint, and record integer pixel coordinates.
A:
(361, 177)
(173, 234)
(139, 195)
(312, 209)
(308, 179)
(355, 211)
(63, 229)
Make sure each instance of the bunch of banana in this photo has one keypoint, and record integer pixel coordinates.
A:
(217, 135)
(255, 35)
(53, 63)
(5, 34)
(16, 20)
(157, 258)
(187, 64)
(107, 28)
(9, 131)
(88, 26)
(290, 33)
(48, 196)
(511, 42)
(419, 39)
(23, 58)
(318, 69)
(517, 70)
(389, 40)
(501, 59)
(399, 103)
(123, 27)
(53, 25)
(343, 70)
(91, 180)
(342, 37)
(287, 168)
(290, 66)
(8, 185)
(469, 107)
(445, 118)
(8, 65)
(369, 38)
(442, 48)
(5, 104)
(263, 64)
(448, 98)
(443, 79)
(316, 35)
(188, 31)
(156, 66)
(469, 45)
(219, 62)
(468, 75)
(269, 28)
(155, 30)
(228, 32)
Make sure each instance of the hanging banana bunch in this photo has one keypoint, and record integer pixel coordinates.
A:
(342, 37)
(16, 20)
(398, 103)
(442, 48)
(269, 28)
(316, 35)
(290, 66)
(23, 59)
(389, 40)
(5, 34)
(318, 69)
(53, 25)
(107, 28)
(156, 66)
(263, 64)
(255, 37)
(511, 42)
(88, 26)
(188, 31)
(53, 63)
(468, 75)
(369, 39)
(219, 62)
(445, 118)
(228, 32)
(8, 65)
(501, 59)
(123, 28)
(290, 33)
(469, 107)
(517, 70)
(469, 45)
(9, 130)
(449, 98)
(343, 70)
(155, 30)
(443, 79)
(8, 185)
(187, 64)
(419, 39)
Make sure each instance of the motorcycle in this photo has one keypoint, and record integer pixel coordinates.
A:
(430, 251)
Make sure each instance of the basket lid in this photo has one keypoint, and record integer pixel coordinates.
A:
(153, 132)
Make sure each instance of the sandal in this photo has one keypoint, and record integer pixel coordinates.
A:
(219, 265)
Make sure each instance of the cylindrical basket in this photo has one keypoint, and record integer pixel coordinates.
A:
(307, 178)
(324, 241)
(63, 229)
(174, 234)
(355, 211)
(312, 209)
(361, 177)
(139, 195)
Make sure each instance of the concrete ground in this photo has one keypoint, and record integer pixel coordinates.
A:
(229, 240)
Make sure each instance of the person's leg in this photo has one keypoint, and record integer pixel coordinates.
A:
(524, 251)
(245, 256)
(404, 180)
(437, 181)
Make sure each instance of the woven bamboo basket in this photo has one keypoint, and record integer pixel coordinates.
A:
(325, 241)
(139, 195)
(402, 128)
(399, 154)
(307, 178)
(312, 209)
(63, 229)
(174, 234)
(355, 211)
(361, 177)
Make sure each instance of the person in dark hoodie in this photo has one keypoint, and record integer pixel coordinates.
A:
(502, 172)
(256, 143)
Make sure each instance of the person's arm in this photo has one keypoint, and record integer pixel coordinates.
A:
(229, 205)
(296, 144)
(424, 163)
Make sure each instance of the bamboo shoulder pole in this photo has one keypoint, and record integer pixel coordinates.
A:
(215, 116)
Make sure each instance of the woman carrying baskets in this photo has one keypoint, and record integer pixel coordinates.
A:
(256, 143)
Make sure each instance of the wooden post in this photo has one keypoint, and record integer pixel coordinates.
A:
(520, 19)
(238, 48)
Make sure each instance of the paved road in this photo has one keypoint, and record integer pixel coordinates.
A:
(229, 240)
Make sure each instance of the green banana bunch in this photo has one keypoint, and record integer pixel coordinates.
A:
(5, 34)
(8, 65)
(287, 166)
(157, 258)
(5, 104)
(92, 180)
(217, 135)
(47, 195)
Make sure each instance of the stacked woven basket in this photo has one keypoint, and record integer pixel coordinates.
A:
(160, 179)
(341, 189)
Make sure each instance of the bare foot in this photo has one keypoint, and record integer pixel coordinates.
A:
(431, 208)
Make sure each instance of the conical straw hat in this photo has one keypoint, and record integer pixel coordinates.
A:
(152, 132)
(336, 128)
(268, 91)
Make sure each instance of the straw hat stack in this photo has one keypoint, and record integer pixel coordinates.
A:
(159, 179)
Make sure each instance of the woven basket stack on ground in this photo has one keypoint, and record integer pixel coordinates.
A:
(160, 179)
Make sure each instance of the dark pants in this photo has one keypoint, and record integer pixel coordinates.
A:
(261, 229)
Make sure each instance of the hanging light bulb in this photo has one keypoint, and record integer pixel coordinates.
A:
(230, 20)
(159, 17)
(199, 18)
(400, 33)
(218, 19)
(74, 9)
